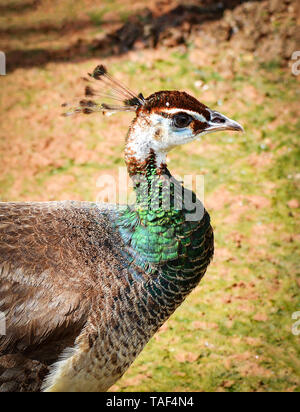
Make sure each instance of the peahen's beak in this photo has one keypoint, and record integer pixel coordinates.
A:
(220, 122)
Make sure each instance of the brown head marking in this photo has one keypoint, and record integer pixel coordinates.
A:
(174, 100)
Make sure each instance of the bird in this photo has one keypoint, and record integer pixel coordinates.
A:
(84, 285)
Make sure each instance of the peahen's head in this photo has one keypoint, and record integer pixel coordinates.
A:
(170, 118)
(163, 121)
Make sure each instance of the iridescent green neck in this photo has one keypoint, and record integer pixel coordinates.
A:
(155, 225)
(150, 184)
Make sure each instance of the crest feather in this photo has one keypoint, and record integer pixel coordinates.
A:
(111, 89)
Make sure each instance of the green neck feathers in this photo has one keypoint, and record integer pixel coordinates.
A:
(157, 228)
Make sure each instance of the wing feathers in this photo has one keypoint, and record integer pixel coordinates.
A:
(44, 286)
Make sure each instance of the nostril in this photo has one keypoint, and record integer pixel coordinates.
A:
(218, 120)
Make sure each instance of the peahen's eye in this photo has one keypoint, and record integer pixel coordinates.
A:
(181, 120)
(218, 120)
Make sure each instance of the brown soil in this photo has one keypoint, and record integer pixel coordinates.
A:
(269, 29)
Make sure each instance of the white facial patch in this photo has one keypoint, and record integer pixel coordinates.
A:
(147, 135)
(158, 133)
(195, 115)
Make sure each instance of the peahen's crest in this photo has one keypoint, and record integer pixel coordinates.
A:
(101, 85)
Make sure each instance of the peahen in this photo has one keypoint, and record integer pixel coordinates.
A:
(84, 286)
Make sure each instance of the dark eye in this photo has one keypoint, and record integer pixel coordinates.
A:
(181, 120)
(218, 120)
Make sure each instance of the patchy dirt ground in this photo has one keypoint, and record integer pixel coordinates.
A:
(269, 28)
(234, 332)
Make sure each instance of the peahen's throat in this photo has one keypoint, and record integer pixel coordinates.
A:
(143, 155)
(153, 183)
